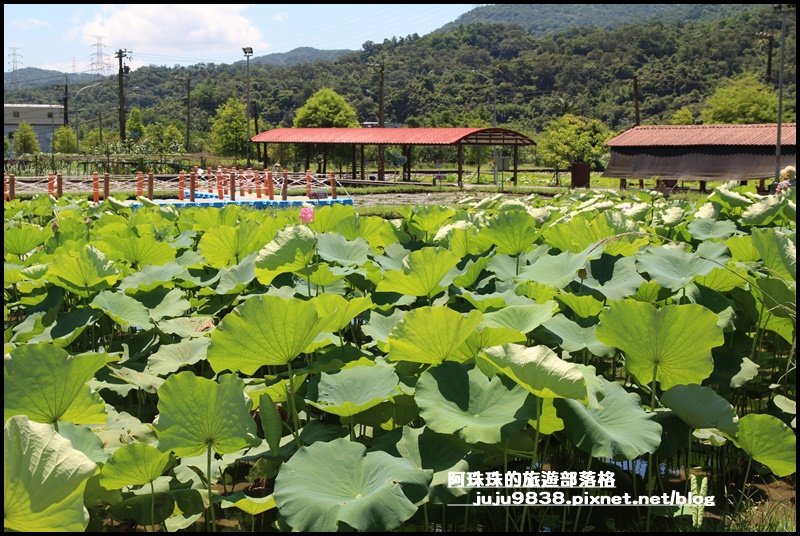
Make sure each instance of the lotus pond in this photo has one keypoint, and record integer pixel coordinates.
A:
(232, 369)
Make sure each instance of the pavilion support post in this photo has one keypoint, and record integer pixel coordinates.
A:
(363, 171)
(516, 164)
(408, 160)
(460, 165)
(308, 155)
(354, 162)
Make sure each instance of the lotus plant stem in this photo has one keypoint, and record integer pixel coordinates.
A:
(213, 523)
(756, 336)
(535, 457)
(518, 256)
(505, 472)
(152, 504)
(578, 513)
(292, 408)
(744, 484)
(425, 515)
(650, 485)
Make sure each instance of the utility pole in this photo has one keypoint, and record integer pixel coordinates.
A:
(494, 121)
(188, 108)
(122, 70)
(254, 113)
(770, 39)
(381, 118)
(783, 9)
(248, 51)
(65, 98)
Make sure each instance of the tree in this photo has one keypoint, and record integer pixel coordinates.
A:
(229, 129)
(573, 139)
(326, 108)
(135, 124)
(65, 140)
(25, 140)
(684, 116)
(742, 99)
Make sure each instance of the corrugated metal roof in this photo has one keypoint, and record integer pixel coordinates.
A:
(394, 136)
(688, 135)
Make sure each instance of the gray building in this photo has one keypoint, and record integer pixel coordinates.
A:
(44, 118)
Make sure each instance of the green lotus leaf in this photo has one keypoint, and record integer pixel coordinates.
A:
(151, 277)
(365, 492)
(172, 305)
(171, 357)
(332, 218)
(674, 267)
(82, 272)
(333, 247)
(701, 407)
(134, 464)
(769, 441)
(430, 334)
(84, 440)
(575, 337)
(138, 251)
(455, 399)
(425, 220)
(723, 279)
(340, 310)
(23, 239)
(187, 327)
(44, 479)
(778, 252)
(583, 306)
(440, 453)
(264, 330)
(378, 232)
(729, 199)
(558, 271)
(67, 327)
(538, 370)
(44, 383)
(619, 429)
(234, 279)
(522, 318)
(196, 414)
(674, 343)
(228, 245)
(138, 508)
(122, 309)
(763, 212)
(271, 423)
(380, 327)
(614, 278)
(462, 238)
(708, 228)
(588, 229)
(250, 505)
(423, 273)
(494, 300)
(512, 232)
(548, 421)
(355, 389)
(292, 249)
(481, 339)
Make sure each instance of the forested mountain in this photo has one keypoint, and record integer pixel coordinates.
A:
(542, 19)
(297, 56)
(432, 80)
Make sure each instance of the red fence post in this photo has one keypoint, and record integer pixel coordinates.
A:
(139, 183)
(308, 183)
(5, 188)
(233, 183)
(181, 185)
(59, 185)
(258, 185)
(270, 186)
(192, 186)
(106, 185)
(150, 186)
(12, 187)
(285, 186)
(333, 186)
(95, 187)
(51, 184)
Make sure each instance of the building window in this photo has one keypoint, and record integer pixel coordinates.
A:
(49, 115)
(16, 115)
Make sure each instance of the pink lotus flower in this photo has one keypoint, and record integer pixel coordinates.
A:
(307, 214)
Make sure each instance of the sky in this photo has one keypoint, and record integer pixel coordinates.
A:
(66, 37)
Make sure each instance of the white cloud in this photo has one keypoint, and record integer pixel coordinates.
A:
(280, 17)
(28, 24)
(166, 34)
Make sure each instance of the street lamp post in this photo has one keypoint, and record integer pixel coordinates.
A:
(248, 51)
(77, 122)
(494, 121)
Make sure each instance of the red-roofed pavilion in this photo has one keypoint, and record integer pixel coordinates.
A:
(404, 137)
